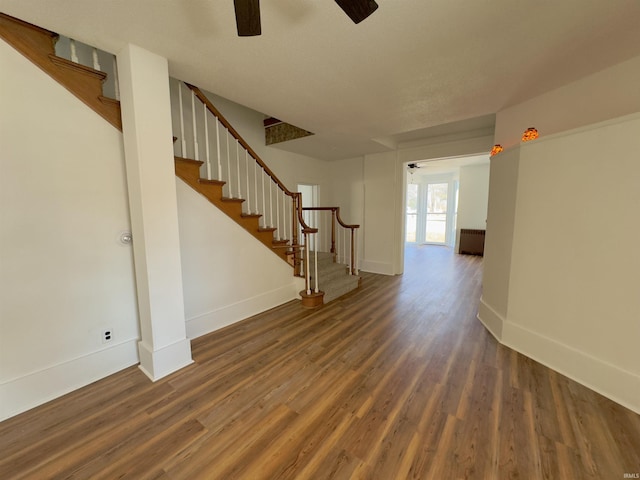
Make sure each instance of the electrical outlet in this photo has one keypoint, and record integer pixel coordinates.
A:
(107, 336)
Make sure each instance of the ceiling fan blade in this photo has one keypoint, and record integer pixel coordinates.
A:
(358, 10)
(248, 17)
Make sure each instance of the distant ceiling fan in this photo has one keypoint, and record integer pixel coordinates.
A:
(248, 14)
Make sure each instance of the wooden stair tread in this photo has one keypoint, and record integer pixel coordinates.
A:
(232, 200)
(205, 181)
(280, 243)
(251, 215)
(188, 160)
(267, 229)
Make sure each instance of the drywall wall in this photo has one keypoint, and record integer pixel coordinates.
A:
(503, 184)
(346, 190)
(64, 277)
(607, 94)
(473, 197)
(575, 261)
(572, 298)
(380, 213)
(228, 275)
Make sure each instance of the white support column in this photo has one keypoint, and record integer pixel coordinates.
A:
(146, 119)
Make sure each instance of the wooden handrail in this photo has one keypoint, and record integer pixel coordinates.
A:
(296, 197)
(335, 215)
(306, 229)
(203, 98)
(333, 209)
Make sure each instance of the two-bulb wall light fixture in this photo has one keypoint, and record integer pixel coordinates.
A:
(530, 133)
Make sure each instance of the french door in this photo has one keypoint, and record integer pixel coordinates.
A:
(431, 210)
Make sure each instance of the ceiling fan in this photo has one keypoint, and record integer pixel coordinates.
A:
(248, 14)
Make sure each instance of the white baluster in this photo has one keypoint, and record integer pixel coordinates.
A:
(218, 148)
(196, 150)
(206, 141)
(246, 167)
(345, 246)
(284, 215)
(228, 165)
(238, 166)
(96, 62)
(350, 252)
(264, 203)
(355, 250)
(315, 250)
(270, 203)
(255, 183)
(278, 214)
(116, 84)
(183, 142)
(307, 273)
(74, 52)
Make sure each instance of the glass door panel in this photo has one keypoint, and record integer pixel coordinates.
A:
(412, 212)
(436, 228)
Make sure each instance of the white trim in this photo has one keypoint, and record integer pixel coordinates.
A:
(163, 361)
(29, 391)
(384, 268)
(613, 382)
(565, 133)
(491, 319)
(235, 312)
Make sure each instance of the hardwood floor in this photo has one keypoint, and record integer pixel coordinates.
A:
(397, 380)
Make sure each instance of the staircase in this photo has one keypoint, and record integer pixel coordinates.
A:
(231, 175)
(212, 158)
(333, 278)
(38, 45)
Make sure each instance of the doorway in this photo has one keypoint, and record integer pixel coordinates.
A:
(431, 206)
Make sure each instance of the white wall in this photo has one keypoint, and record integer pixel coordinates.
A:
(473, 198)
(607, 94)
(572, 296)
(381, 218)
(227, 274)
(64, 275)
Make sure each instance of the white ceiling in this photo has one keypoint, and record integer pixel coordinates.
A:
(409, 68)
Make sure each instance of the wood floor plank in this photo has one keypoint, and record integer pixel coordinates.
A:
(397, 380)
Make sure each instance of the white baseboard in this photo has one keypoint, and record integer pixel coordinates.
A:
(619, 385)
(24, 393)
(491, 319)
(161, 362)
(232, 313)
(383, 268)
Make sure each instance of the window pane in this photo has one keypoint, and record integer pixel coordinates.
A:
(412, 198)
(437, 197)
(436, 228)
(411, 227)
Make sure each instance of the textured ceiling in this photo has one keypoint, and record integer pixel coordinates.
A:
(411, 66)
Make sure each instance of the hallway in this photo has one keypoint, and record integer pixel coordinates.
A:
(396, 380)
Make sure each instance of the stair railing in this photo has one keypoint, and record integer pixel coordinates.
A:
(207, 136)
(92, 57)
(335, 236)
